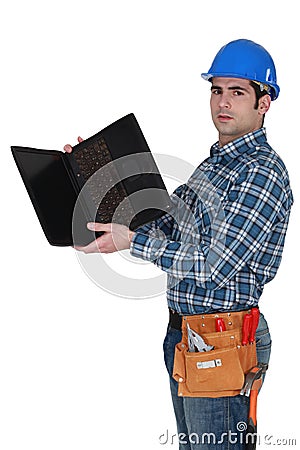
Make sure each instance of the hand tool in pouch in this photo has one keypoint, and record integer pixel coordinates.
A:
(246, 329)
(252, 385)
(254, 324)
(250, 324)
(220, 325)
(196, 342)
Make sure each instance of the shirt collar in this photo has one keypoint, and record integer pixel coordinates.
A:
(244, 144)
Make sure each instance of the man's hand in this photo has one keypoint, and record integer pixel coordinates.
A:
(68, 148)
(116, 237)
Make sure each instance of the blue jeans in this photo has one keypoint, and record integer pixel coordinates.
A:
(212, 423)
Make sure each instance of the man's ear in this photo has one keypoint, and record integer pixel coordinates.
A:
(264, 104)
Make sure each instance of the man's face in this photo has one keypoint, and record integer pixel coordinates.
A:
(232, 108)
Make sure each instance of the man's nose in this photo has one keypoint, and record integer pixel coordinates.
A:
(224, 101)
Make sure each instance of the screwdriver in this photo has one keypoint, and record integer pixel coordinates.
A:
(255, 319)
(220, 324)
(247, 322)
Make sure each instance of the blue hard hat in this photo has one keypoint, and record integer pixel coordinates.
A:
(245, 59)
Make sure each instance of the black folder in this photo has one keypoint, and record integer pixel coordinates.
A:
(109, 177)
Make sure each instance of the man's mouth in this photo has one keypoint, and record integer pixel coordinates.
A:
(224, 117)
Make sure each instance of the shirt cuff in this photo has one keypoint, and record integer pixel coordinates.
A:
(145, 247)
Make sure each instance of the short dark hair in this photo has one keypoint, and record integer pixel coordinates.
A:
(258, 92)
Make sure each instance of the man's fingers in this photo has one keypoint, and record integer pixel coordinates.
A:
(96, 226)
(68, 148)
(92, 247)
(116, 237)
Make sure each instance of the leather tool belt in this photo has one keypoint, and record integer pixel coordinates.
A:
(221, 371)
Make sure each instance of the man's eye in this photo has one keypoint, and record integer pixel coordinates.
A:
(237, 93)
(216, 91)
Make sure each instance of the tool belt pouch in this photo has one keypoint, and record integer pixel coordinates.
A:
(219, 372)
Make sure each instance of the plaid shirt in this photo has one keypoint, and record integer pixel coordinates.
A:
(223, 239)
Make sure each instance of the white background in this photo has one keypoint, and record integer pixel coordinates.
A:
(82, 368)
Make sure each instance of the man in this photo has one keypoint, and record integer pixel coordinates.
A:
(246, 181)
